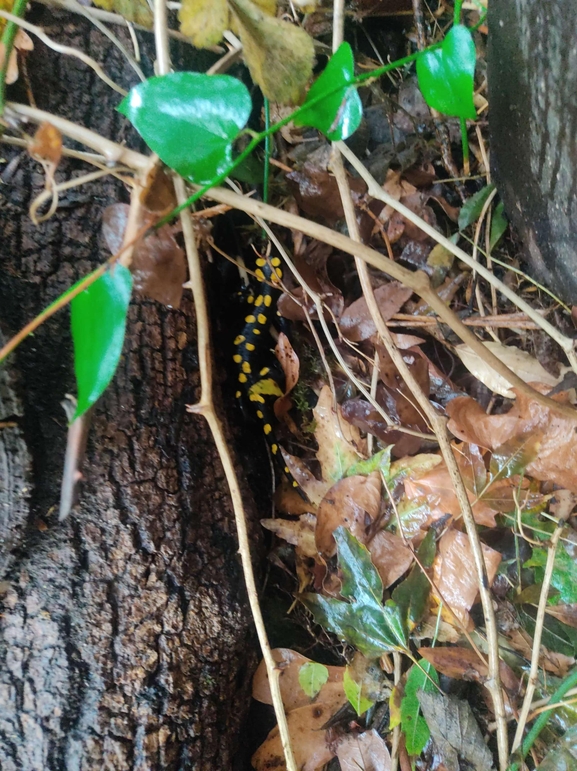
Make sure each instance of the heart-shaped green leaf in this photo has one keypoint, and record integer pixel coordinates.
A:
(190, 120)
(446, 74)
(98, 317)
(339, 113)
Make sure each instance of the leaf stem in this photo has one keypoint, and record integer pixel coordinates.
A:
(465, 144)
(7, 42)
(267, 151)
(457, 12)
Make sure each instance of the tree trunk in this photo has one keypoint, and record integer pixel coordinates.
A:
(125, 641)
(532, 74)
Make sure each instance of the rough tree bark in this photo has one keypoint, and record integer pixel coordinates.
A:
(532, 75)
(125, 640)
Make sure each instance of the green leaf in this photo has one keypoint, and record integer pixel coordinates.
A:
(446, 74)
(339, 113)
(354, 693)
(373, 628)
(98, 317)
(556, 636)
(472, 208)
(190, 120)
(514, 456)
(413, 724)
(381, 461)
(312, 677)
(564, 577)
(413, 594)
(499, 224)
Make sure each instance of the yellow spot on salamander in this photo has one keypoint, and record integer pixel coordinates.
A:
(246, 367)
(256, 331)
(250, 346)
(250, 319)
(256, 398)
(264, 371)
(242, 378)
(267, 300)
(238, 394)
(250, 299)
(266, 386)
(259, 274)
(261, 318)
(261, 262)
(259, 300)
(295, 484)
(274, 448)
(239, 339)
(267, 428)
(259, 414)
(275, 262)
(287, 470)
(237, 358)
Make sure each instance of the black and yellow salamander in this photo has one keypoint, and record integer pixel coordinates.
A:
(256, 380)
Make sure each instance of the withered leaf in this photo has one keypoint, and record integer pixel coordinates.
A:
(137, 11)
(340, 444)
(556, 460)
(364, 752)
(204, 21)
(455, 732)
(356, 322)
(390, 556)
(278, 54)
(465, 664)
(46, 145)
(299, 533)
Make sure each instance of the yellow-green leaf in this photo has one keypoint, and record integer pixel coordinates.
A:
(278, 54)
(137, 11)
(203, 21)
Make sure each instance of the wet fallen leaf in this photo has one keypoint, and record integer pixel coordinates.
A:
(455, 732)
(290, 663)
(311, 744)
(556, 460)
(353, 503)
(46, 145)
(454, 573)
(356, 322)
(563, 756)
(315, 489)
(340, 444)
(520, 362)
(391, 557)
(414, 726)
(465, 664)
(364, 752)
(299, 533)
(290, 364)
(412, 595)
(158, 194)
(278, 54)
(567, 614)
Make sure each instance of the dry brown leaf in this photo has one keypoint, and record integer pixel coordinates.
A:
(22, 42)
(465, 664)
(352, 503)
(314, 489)
(455, 576)
(340, 443)
(311, 744)
(520, 362)
(158, 194)
(556, 663)
(290, 364)
(278, 54)
(289, 664)
(556, 460)
(204, 21)
(567, 614)
(364, 752)
(390, 556)
(158, 263)
(356, 322)
(299, 533)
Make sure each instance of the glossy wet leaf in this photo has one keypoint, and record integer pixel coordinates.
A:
(373, 628)
(312, 677)
(564, 577)
(98, 319)
(446, 74)
(279, 54)
(473, 206)
(413, 724)
(499, 224)
(339, 110)
(354, 693)
(190, 120)
(412, 596)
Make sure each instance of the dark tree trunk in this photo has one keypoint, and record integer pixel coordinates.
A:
(532, 72)
(125, 641)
